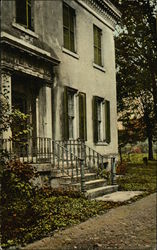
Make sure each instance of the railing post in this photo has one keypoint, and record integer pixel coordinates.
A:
(83, 188)
(113, 171)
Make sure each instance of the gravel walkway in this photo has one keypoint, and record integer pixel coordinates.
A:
(127, 227)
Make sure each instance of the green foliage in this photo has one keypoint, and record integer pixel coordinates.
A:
(104, 173)
(19, 126)
(17, 194)
(30, 213)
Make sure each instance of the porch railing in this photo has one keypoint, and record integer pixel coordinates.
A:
(45, 150)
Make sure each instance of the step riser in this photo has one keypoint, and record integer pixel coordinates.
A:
(102, 192)
(88, 178)
(95, 185)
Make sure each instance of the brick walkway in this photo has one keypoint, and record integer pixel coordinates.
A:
(127, 227)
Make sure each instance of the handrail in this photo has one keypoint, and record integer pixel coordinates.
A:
(92, 159)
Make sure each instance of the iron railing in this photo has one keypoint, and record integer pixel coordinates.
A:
(71, 157)
(45, 150)
(92, 159)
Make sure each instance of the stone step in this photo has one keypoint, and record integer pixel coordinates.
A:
(95, 183)
(88, 177)
(96, 192)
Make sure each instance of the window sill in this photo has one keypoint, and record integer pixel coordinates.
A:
(99, 67)
(101, 143)
(70, 53)
(27, 31)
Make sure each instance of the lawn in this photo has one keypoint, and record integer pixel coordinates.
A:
(136, 158)
(139, 177)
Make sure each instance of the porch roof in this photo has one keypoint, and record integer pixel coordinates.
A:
(47, 55)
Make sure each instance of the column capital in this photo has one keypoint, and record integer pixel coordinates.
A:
(5, 71)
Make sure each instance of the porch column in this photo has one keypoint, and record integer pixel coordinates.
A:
(45, 112)
(6, 89)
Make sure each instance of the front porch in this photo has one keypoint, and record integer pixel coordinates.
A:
(66, 163)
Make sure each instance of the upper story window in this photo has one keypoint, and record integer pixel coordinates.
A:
(24, 13)
(97, 33)
(69, 27)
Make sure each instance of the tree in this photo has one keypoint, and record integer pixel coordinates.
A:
(136, 51)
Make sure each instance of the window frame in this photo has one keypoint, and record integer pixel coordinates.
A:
(76, 117)
(28, 23)
(96, 46)
(101, 126)
(71, 91)
(70, 30)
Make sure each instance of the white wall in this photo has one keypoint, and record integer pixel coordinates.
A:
(80, 73)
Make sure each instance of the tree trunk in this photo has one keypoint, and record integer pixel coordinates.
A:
(150, 145)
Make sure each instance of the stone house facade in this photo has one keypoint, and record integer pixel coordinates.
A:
(58, 63)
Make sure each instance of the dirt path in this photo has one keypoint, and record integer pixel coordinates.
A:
(127, 227)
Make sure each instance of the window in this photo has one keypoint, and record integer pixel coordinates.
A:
(97, 45)
(24, 13)
(75, 122)
(71, 114)
(68, 27)
(101, 120)
(69, 110)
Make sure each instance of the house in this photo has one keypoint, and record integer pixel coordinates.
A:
(58, 63)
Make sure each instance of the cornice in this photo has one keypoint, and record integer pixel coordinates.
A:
(102, 9)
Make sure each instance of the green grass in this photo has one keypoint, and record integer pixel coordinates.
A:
(139, 177)
(136, 158)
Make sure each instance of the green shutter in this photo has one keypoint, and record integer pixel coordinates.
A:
(95, 119)
(82, 117)
(66, 121)
(107, 121)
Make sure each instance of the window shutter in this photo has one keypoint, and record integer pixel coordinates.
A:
(82, 117)
(66, 121)
(107, 121)
(95, 119)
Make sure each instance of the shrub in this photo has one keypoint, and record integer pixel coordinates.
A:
(17, 197)
(121, 168)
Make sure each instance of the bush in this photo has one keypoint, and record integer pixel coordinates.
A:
(17, 197)
(121, 168)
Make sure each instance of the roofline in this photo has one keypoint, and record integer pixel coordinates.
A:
(112, 7)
